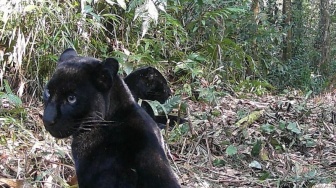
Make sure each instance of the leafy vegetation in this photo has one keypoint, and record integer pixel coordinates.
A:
(223, 59)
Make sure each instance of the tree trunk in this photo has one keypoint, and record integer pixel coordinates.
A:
(287, 12)
(272, 11)
(255, 8)
(249, 66)
(323, 38)
(298, 30)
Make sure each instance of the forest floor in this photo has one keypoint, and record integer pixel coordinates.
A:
(243, 140)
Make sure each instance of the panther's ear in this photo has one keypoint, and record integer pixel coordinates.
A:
(67, 54)
(106, 74)
(112, 65)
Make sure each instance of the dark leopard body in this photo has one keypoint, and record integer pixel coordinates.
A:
(115, 142)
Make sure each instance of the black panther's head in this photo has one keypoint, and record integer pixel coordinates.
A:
(75, 93)
(148, 83)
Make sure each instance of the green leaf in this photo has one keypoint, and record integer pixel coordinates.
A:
(312, 173)
(292, 126)
(122, 4)
(256, 149)
(7, 88)
(162, 108)
(264, 176)
(88, 9)
(268, 128)
(218, 163)
(308, 94)
(110, 2)
(12, 98)
(231, 150)
(200, 2)
(152, 11)
(216, 113)
(29, 8)
(209, 94)
(249, 119)
(236, 10)
(310, 143)
(197, 57)
(153, 105)
(275, 143)
(61, 153)
(255, 164)
(282, 125)
(128, 67)
(3, 140)
(171, 103)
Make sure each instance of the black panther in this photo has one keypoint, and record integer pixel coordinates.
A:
(147, 83)
(115, 143)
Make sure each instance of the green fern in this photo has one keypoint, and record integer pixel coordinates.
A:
(153, 104)
(7, 87)
(163, 109)
(171, 103)
(10, 96)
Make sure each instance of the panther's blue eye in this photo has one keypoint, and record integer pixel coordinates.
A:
(71, 99)
(46, 93)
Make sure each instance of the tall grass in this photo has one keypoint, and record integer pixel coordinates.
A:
(34, 33)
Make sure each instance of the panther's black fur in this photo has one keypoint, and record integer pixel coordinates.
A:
(147, 83)
(115, 142)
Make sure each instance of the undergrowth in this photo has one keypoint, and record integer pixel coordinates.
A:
(222, 65)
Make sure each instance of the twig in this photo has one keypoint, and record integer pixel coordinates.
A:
(193, 150)
(61, 164)
(172, 159)
(183, 146)
(209, 152)
(189, 123)
(178, 114)
(167, 128)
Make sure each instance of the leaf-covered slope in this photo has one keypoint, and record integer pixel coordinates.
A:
(244, 141)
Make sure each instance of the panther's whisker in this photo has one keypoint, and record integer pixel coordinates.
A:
(85, 129)
(97, 122)
(90, 117)
(93, 125)
(96, 126)
(99, 114)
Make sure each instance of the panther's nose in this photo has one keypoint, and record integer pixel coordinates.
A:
(49, 116)
(48, 123)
